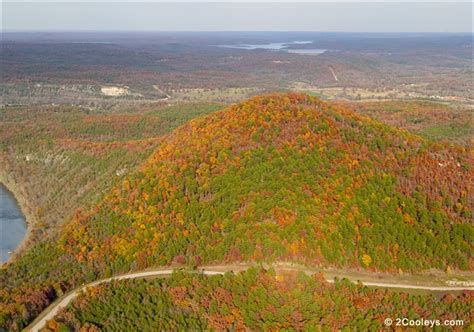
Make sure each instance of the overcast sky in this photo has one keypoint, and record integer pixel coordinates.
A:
(373, 16)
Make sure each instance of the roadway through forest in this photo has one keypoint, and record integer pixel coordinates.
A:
(52, 310)
(333, 74)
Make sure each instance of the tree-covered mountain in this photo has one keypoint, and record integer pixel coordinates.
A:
(291, 178)
(284, 177)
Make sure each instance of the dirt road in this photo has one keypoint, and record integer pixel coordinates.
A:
(56, 306)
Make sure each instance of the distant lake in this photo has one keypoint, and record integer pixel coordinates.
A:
(12, 224)
(309, 51)
(279, 47)
(91, 42)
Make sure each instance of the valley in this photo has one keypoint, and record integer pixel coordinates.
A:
(52, 68)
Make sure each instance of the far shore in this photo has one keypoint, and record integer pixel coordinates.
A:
(26, 209)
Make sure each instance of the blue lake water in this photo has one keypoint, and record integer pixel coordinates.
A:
(309, 51)
(280, 47)
(12, 224)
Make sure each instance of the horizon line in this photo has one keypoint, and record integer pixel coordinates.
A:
(233, 31)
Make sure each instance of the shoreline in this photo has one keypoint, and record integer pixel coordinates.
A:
(18, 192)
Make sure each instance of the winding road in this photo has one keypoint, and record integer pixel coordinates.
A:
(53, 309)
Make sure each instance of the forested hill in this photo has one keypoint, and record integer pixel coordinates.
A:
(286, 177)
(278, 177)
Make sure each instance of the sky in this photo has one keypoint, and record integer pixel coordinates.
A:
(348, 16)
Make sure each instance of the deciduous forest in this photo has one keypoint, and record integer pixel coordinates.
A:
(282, 177)
(255, 300)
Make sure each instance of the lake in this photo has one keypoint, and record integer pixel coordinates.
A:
(308, 51)
(280, 47)
(12, 224)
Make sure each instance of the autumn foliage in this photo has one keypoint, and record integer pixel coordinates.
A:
(255, 300)
(284, 177)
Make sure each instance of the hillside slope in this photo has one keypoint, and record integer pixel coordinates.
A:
(252, 300)
(435, 121)
(60, 158)
(279, 177)
(286, 177)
